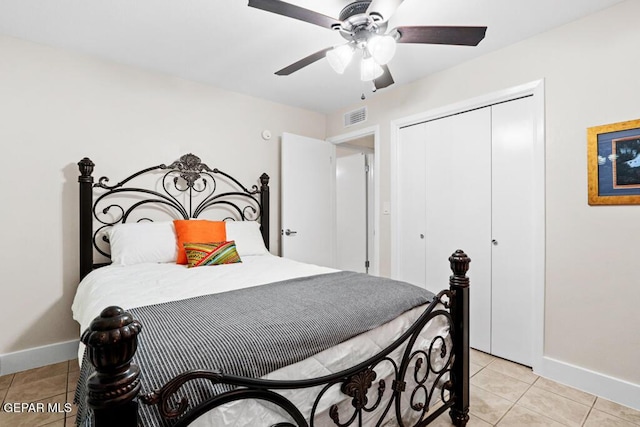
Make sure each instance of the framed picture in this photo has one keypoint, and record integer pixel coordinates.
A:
(613, 160)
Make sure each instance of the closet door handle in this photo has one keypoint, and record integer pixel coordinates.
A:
(421, 236)
(494, 242)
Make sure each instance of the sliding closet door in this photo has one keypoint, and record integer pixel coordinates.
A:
(410, 208)
(477, 168)
(512, 223)
(458, 209)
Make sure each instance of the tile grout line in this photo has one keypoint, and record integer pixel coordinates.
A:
(512, 403)
(587, 417)
(505, 414)
(480, 370)
(4, 397)
(517, 400)
(568, 398)
(535, 411)
(593, 405)
(64, 420)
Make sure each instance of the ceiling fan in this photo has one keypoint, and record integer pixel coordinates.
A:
(363, 24)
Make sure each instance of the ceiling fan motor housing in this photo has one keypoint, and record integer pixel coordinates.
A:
(354, 8)
(357, 25)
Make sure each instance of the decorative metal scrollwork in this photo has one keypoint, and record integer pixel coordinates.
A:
(189, 166)
(430, 379)
(357, 387)
(186, 189)
(162, 397)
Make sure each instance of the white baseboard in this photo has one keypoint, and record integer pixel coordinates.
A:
(38, 356)
(610, 388)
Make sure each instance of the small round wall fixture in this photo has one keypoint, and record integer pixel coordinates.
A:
(266, 134)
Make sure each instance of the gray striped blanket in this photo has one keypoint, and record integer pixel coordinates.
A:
(254, 331)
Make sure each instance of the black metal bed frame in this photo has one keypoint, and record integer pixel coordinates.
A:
(111, 340)
(187, 176)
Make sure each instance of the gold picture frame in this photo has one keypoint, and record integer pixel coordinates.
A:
(613, 163)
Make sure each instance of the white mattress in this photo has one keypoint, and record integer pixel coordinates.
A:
(145, 284)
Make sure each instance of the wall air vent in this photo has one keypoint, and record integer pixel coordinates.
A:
(356, 116)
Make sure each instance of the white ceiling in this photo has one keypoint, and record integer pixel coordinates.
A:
(238, 48)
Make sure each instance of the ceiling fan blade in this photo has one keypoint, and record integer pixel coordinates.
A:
(384, 8)
(295, 12)
(462, 36)
(303, 62)
(384, 80)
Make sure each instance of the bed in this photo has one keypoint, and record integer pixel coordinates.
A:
(258, 340)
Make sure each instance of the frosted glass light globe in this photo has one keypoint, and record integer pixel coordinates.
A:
(382, 48)
(370, 70)
(339, 57)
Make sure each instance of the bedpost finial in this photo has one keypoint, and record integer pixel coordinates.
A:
(112, 340)
(459, 262)
(264, 180)
(86, 169)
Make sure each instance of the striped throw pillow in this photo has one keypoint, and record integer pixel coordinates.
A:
(217, 253)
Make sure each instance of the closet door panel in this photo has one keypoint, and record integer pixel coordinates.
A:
(458, 209)
(512, 223)
(411, 205)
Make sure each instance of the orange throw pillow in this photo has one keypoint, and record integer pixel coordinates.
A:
(197, 231)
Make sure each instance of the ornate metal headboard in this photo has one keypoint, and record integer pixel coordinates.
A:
(184, 189)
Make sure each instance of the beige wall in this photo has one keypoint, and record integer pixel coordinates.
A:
(57, 107)
(591, 77)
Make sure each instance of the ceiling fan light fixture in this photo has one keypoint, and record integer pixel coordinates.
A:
(369, 69)
(340, 57)
(382, 48)
(363, 23)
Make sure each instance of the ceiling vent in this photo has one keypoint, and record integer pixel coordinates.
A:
(356, 116)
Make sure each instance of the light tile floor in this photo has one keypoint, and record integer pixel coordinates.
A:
(49, 384)
(503, 394)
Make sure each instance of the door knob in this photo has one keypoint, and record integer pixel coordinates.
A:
(290, 232)
(421, 236)
(494, 242)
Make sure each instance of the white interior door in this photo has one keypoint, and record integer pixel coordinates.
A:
(307, 179)
(513, 225)
(410, 208)
(371, 216)
(458, 209)
(351, 213)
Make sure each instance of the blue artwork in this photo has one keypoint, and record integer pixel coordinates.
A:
(619, 163)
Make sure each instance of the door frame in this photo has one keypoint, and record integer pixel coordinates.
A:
(346, 137)
(535, 88)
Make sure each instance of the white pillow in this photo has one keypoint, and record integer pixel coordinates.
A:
(139, 242)
(247, 236)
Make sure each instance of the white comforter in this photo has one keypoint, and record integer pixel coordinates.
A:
(138, 285)
(145, 284)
